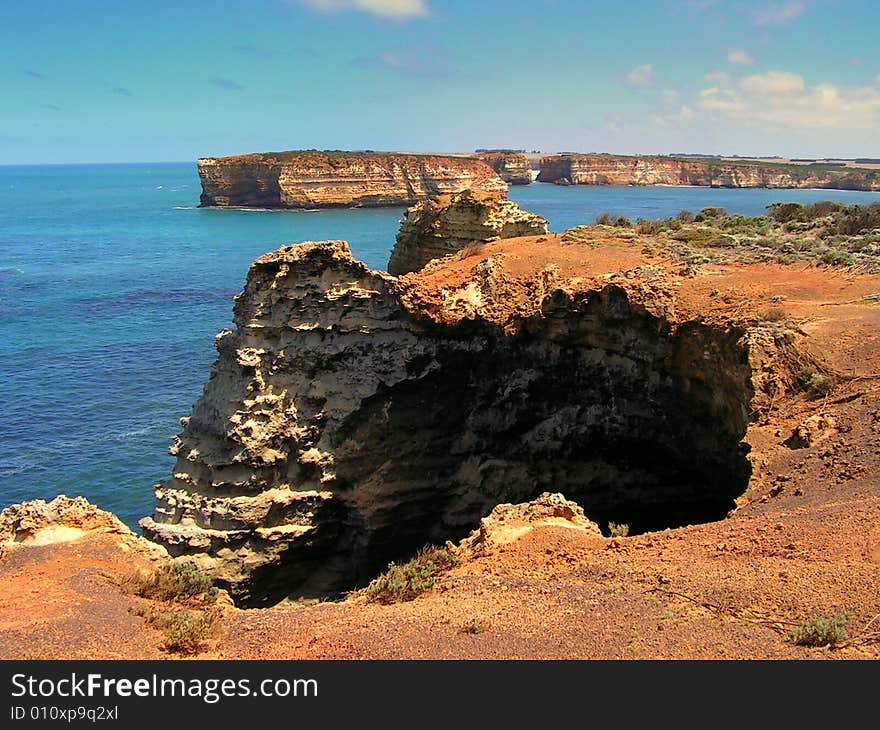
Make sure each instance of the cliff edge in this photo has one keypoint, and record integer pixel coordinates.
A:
(598, 169)
(311, 179)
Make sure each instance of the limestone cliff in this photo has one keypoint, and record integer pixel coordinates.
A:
(449, 223)
(512, 167)
(349, 419)
(619, 170)
(333, 179)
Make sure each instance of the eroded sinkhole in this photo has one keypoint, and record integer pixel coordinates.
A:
(636, 420)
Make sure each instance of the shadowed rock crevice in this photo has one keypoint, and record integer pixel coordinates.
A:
(342, 429)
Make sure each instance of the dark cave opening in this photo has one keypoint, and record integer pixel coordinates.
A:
(638, 421)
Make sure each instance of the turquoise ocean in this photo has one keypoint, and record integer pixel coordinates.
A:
(112, 287)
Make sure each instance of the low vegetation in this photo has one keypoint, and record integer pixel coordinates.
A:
(618, 530)
(821, 631)
(406, 581)
(826, 233)
(187, 614)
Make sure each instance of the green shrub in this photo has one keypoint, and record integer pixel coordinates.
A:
(785, 212)
(812, 382)
(707, 214)
(605, 219)
(186, 632)
(821, 631)
(618, 530)
(405, 582)
(838, 258)
(180, 582)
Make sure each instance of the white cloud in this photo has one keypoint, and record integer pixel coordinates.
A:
(740, 57)
(781, 99)
(640, 75)
(686, 113)
(394, 9)
(669, 97)
(779, 13)
(773, 82)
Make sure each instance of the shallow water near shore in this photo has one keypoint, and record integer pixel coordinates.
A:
(113, 284)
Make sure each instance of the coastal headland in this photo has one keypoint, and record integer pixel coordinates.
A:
(629, 440)
(600, 169)
(314, 179)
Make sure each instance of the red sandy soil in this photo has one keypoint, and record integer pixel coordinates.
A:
(803, 542)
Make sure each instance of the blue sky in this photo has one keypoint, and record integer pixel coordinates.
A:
(103, 81)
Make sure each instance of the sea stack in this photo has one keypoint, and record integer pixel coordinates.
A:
(447, 224)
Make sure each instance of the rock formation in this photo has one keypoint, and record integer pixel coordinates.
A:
(352, 417)
(508, 522)
(337, 179)
(620, 170)
(38, 522)
(449, 223)
(512, 167)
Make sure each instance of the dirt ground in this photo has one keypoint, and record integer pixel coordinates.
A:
(803, 542)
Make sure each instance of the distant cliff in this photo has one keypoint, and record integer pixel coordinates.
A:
(620, 170)
(338, 179)
(512, 167)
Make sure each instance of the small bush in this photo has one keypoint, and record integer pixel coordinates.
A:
(186, 632)
(475, 626)
(838, 258)
(646, 227)
(405, 582)
(618, 530)
(821, 631)
(685, 216)
(180, 582)
(605, 219)
(709, 213)
(785, 212)
(812, 382)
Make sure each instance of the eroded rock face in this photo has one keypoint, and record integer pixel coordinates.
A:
(344, 427)
(447, 224)
(512, 167)
(618, 170)
(334, 179)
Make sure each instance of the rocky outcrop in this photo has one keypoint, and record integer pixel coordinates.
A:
(509, 522)
(337, 179)
(449, 223)
(620, 170)
(65, 519)
(512, 167)
(346, 424)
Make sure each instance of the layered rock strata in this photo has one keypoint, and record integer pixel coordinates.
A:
(619, 170)
(337, 179)
(450, 223)
(345, 424)
(512, 167)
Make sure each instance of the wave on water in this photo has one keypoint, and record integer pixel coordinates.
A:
(13, 469)
(136, 432)
(184, 207)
